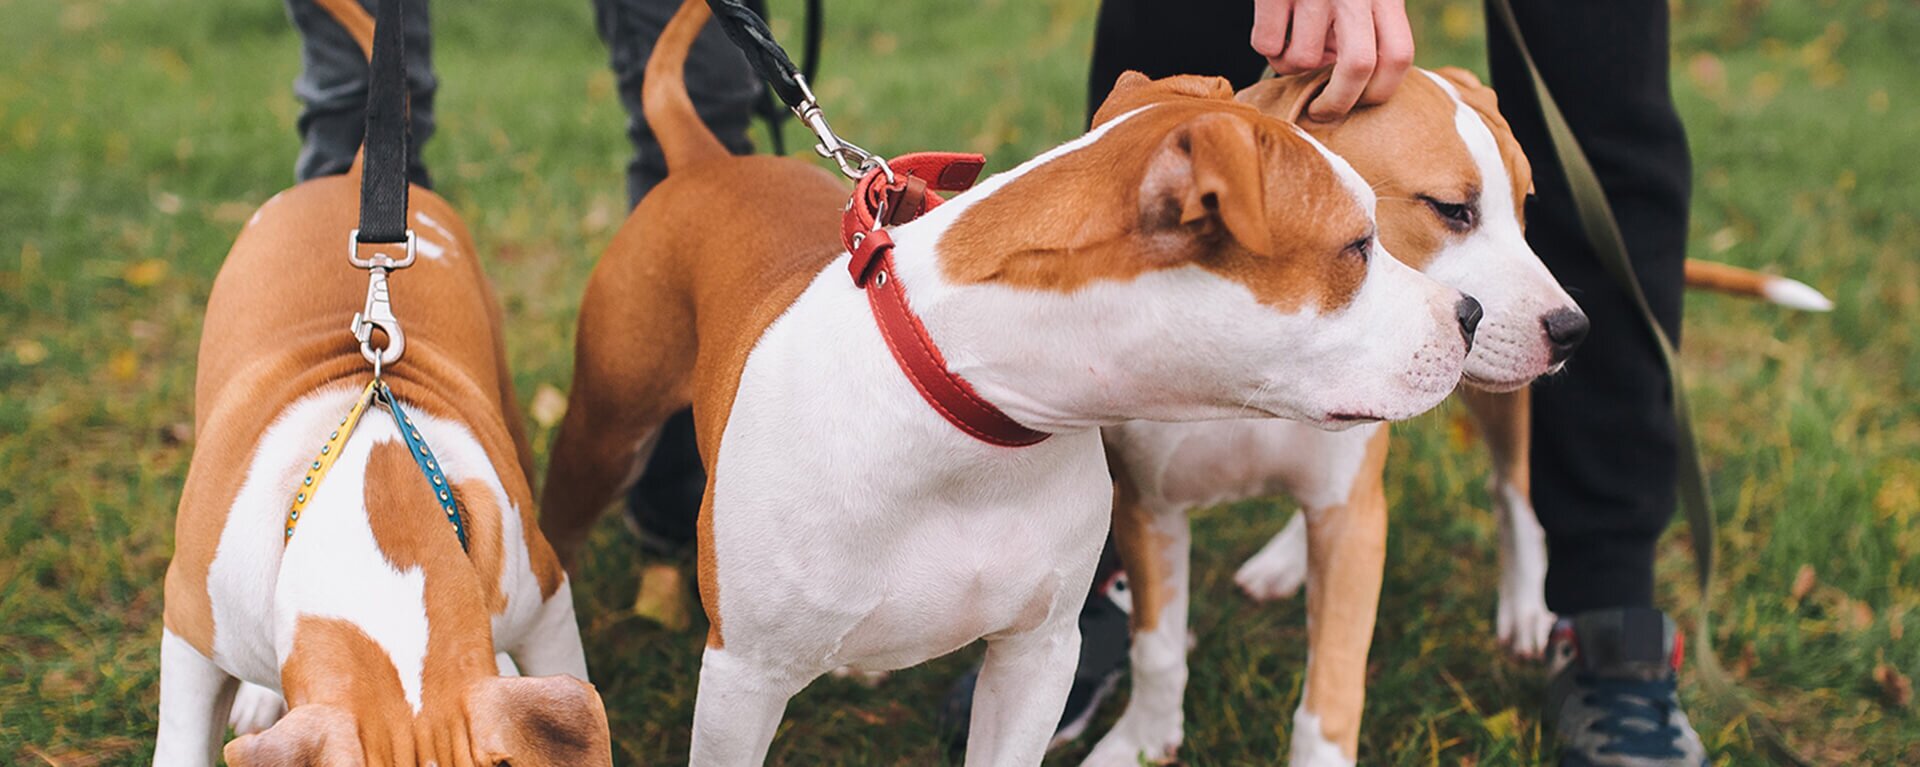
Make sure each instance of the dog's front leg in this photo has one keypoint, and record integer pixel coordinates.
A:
(1346, 557)
(194, 697)
(1023, 688)
(737, 709)
(1522, 619)
(1156, 547)
(552, 644)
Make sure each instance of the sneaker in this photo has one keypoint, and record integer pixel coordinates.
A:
(1105, 638)
(1613, 700)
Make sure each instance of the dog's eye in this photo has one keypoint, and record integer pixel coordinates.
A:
(1361, 249)
(1458, 216)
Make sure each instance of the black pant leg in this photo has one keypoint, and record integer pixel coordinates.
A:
(1604, 440)
(720, 82)
(332, 88)
(1160, 38)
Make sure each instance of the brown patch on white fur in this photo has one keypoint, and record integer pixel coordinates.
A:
(274, 334)
(1396, 148)
(362, 718)
(1225, 189)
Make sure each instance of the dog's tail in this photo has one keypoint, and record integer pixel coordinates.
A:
(355, 18)
(1733, 280)
(683, 137)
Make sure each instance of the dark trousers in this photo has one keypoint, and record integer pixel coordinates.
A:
(332, 88)
(1604, 441)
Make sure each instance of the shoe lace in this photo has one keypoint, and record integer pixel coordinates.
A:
(1637, 718)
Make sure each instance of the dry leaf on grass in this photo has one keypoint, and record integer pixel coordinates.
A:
(1895, 688)
(1802, 583)
(549, 405)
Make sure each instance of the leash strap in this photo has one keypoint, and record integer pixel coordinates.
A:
(750, 34)
(329, 452)
(769, 107)
(383, 179)
(377, 392)
(1603, 234)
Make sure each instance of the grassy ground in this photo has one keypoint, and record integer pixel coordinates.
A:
(135, 137)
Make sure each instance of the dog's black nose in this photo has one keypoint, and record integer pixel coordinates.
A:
(1469, 313)
(1566, 328)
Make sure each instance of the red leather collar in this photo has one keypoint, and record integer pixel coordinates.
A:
(878, 201)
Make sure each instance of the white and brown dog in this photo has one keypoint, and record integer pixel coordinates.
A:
(1452, 181)
(1190, 258)
(380, 630)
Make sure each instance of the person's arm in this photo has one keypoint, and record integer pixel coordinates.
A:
(1368, 42)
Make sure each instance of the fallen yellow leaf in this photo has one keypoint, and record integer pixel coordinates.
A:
(29, 352)
(1895, 687)
(145, 274)
(1802, 583)
(123, 365)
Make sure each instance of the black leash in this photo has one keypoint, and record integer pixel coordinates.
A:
(769, 108)
(383, 242)
(383, 178)
(750, 34)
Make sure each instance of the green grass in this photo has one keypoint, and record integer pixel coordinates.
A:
(135, 138)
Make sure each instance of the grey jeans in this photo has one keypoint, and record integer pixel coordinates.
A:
(333, 86)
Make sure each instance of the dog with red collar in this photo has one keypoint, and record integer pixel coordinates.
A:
(908, 460)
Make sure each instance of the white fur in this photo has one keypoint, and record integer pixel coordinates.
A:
(853, 526)
(1310, 747)
(1522, 620)
(1794, 294)
(1278, 569)
(427, 246)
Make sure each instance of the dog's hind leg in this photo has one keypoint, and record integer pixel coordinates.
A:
(1279, 568)
(1522, 619)
(632, 361)
(194, 697)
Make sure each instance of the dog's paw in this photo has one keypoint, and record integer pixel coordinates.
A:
(255, 708)
(1523, 622)
(1279, 569)
(1128, 745)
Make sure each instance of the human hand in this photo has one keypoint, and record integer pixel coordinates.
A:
(1368, 42)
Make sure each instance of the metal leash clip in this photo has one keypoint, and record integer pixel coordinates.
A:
(853, 160)
(377, 312)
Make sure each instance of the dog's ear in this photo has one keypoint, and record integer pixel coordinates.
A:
(1287, 97)
(549, 721)
(1205, 178)
(1474, 92)
(308, 736)
(1134, 90)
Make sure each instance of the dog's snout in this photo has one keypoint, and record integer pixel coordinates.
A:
(1566, 328)
(1468, 311)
